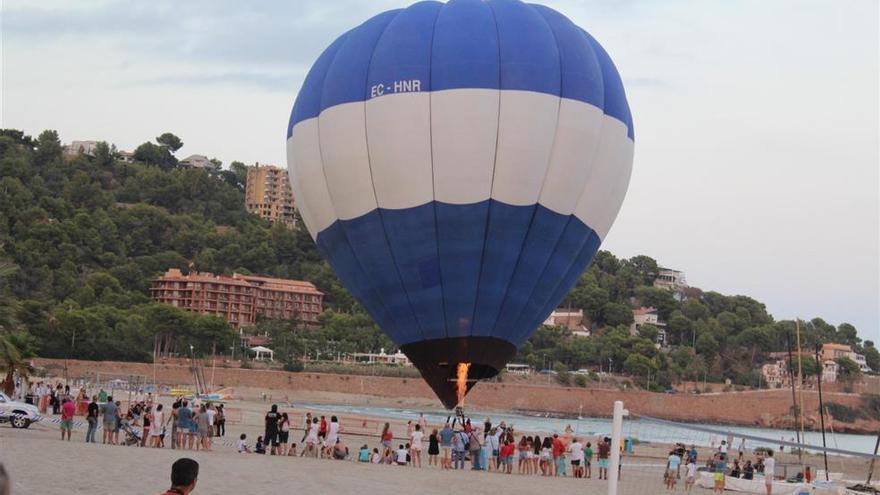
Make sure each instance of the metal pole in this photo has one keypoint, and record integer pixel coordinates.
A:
(871, 468)
(800, 395)
(791, 379)
(821, 410)
(616, 435)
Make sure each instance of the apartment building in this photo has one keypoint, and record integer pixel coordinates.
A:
(239, 298)
(269, 195)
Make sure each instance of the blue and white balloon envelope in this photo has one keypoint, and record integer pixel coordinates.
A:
(458, 165)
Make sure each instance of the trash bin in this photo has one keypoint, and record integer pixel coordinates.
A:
(628, 445)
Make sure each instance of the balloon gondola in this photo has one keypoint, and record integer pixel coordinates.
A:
(458, 165)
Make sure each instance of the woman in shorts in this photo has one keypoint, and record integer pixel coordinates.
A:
(284, 434)
(387, 436)
(522, 464)
(546, 458)
(203, 428)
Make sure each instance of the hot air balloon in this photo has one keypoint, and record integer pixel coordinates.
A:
(458, 165)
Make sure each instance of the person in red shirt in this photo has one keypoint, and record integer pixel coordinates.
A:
(506, 455)
(322, 429)
(68, 409)
(558, 455)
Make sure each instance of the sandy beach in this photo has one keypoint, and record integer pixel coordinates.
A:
(39, 462)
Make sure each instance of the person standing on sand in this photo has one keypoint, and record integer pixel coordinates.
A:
(200, 419)
(322, 429)
(311, 440)
(108, 410)
(184, 476)
(306, 427)
(433, 447)
(148, 423)
(459, 439)
(158, 426)
(92, 418)
(175, 413)
(476, 447)
(220, 421)
(416, 446)
(333, 431)
(769, 471)
(604, 452)
(588, 460)
(558, 456)
(68, 409)
(446, 435)
(387, 437)
(271, 430)
(284, 434)
(184, 425)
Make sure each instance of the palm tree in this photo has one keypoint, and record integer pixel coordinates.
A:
(15, 354)
(8, 305)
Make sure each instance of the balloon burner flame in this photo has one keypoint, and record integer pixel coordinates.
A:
(461, 381)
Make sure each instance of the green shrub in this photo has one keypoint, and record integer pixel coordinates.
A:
(294, 366)
(580, 380)
(871, 406)
(843, 413)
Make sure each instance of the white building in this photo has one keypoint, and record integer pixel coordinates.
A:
(837, 351)
(648, 316)
(829, 371)
(198, 161)
(668, 278)
(774, 373)
(125, 156)
(83, 147)
(570, 319)
(397, 358)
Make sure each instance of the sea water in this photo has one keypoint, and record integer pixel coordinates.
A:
(637, 429)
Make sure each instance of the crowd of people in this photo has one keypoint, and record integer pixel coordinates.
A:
(146, 422)
(454, 445)
(719, 465)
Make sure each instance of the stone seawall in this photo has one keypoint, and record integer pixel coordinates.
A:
(768, 408)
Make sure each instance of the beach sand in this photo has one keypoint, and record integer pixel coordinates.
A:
(39, 462)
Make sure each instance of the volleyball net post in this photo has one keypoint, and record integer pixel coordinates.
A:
(616, 439)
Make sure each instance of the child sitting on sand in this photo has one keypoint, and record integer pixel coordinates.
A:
(242, 445)
(376, 458)
(292, 450)
(364, 454)
(260, 447)
(401, 456)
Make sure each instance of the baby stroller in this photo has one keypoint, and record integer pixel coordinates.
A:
(132, 437)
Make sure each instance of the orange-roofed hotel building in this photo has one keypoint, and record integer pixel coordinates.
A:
(239, 298)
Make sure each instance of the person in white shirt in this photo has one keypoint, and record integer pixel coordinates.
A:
(211, 412)
(492, 449)
(242, 445)
(400, 456)
(691, 476)
(576, 457)
(416, 446)
(769, 468)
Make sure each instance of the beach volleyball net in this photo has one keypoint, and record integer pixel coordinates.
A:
(734, 456)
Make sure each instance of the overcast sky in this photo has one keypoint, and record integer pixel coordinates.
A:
(756, 165)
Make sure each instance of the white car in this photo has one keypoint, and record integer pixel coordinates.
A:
(18, 414)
